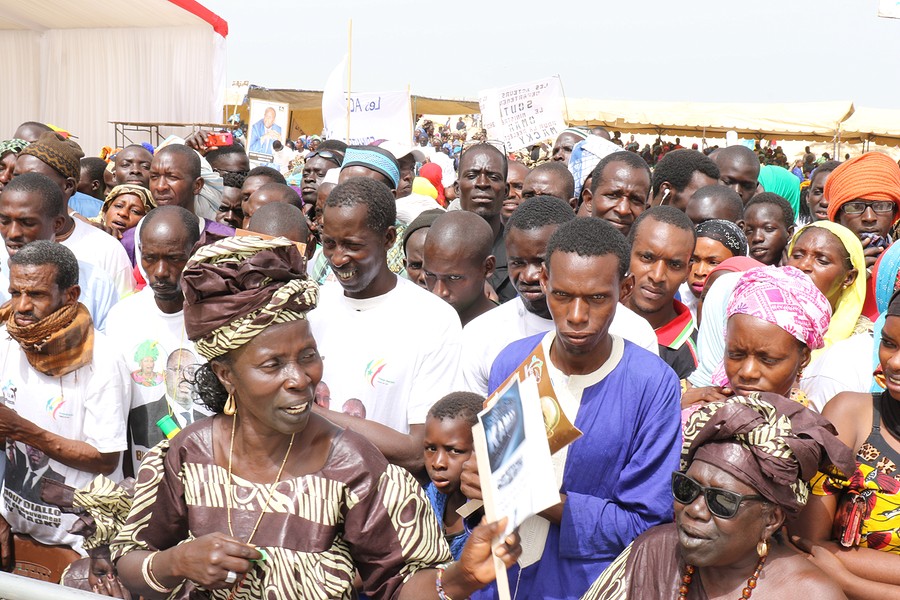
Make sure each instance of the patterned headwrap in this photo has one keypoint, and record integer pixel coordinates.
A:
(129, 188)
(849, 306)
(782, 296)
(768, 442)
(14, 145)
(786, 297)
(780, 181)
(374, 158)
(61, 154)
(585, 156)
(726, 233)
(238, 286)
(872, 176)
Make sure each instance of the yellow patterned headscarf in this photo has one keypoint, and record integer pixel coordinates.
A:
(238, 286)
(770, 443)
(849, 306)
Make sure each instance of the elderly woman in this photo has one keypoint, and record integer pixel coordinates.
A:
(776, 317)
(856, 517)
(124, 206)
(267, 499)
(745, 466)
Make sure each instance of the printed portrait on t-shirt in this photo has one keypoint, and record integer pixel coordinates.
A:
(177, 398)
(26, 467)
(146, 356)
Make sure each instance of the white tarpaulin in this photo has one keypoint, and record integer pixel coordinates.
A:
(524, 114)
(372, 115)
(166, 59)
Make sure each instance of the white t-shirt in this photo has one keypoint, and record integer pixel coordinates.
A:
(844, 367)
(398, 353)
(88, 405)
(161, 362)
(485, 336)
(105, 252)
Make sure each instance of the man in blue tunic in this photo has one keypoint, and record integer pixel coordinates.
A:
(615, 479)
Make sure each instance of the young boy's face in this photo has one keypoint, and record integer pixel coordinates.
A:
(448, 444)
(766, 233)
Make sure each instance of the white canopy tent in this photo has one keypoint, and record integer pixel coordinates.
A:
(789, 121)
(80, 65)
(878, 125)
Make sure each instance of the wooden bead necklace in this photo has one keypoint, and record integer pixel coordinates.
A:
(688, 576)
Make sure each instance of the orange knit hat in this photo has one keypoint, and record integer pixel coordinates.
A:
(872, 176)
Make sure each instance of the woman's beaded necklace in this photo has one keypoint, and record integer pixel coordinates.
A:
(688, 576)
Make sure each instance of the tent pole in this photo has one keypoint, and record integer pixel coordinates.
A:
(349, 72)
(565, 101)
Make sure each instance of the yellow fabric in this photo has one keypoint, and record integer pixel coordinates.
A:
(849, 305)
(879, 488)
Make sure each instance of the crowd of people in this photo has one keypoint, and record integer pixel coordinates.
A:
(222, 380)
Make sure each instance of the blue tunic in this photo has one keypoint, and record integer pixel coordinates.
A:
(617, 478)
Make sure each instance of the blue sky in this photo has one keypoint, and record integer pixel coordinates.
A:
(692, 50)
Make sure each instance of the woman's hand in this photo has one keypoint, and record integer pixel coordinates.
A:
(696, 395)
(109, 585)
(206, 561)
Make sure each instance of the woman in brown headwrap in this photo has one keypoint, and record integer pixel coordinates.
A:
(124, 206)
(745, 463)
(267, 499)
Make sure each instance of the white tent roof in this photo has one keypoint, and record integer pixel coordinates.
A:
(879, 125)
(806, 121)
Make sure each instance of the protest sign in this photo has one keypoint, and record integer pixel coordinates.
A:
(524, 114)
(373, 115)
(269, 122)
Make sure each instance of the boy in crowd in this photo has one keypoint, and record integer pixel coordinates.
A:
(448, 444)
(768, 224)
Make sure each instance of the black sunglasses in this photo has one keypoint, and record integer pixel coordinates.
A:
(721, 503)
(328, 155)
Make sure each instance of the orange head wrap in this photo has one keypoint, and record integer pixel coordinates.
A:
(872, 176)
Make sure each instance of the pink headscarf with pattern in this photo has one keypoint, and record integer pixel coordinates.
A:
(783, 296)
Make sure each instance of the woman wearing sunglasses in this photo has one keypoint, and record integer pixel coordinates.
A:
(745, 463)
(854, 523)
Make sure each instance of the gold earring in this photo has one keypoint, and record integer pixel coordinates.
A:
(762, 548)
(230, 407)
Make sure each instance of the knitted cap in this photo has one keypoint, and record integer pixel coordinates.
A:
(61, 154)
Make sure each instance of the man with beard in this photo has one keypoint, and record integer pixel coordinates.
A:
(153, 319)
(482, 189)
(71, 391)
